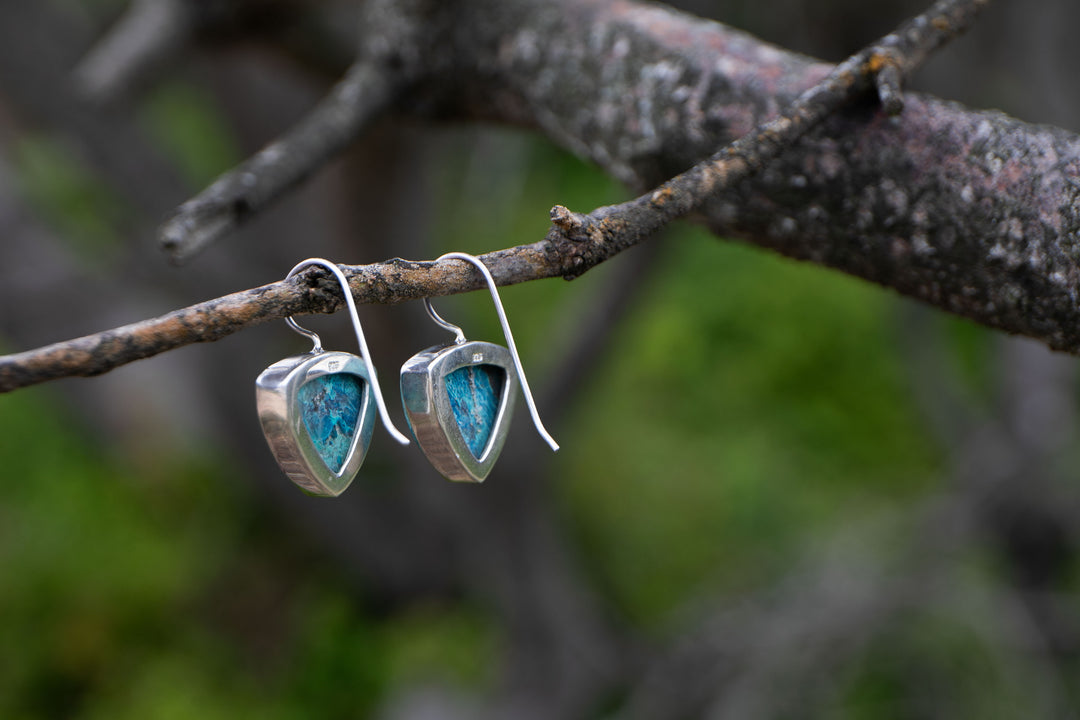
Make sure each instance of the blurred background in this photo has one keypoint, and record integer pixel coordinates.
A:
(782, 492)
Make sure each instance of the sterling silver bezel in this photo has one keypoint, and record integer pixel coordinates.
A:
(427, 406)
(283, 424)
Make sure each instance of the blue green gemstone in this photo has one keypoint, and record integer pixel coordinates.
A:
(475, 393)
(330, 406)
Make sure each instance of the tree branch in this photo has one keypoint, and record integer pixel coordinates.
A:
(148, 35)
(608, 230)
(363, 94)
(313, 291)
(972, 212)
(387, 64)
(588, 240)
(152, 35)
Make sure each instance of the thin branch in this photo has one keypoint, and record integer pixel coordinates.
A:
(311, 292)
(593, 238)
(146, 37)
(890, 89)
(152, 35)
(608, 230)
(365, 92)
(114, 146)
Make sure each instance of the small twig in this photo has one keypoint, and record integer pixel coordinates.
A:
(890, 89)
(152, 35)
(608, 230)
(361, 96)
(147, 36)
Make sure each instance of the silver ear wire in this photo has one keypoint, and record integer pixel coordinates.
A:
(506, 332)
(443, 323)
(394, 432)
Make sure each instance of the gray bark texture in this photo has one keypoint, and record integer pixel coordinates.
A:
(971, 211)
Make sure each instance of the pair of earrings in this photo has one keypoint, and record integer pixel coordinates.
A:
(317, 410)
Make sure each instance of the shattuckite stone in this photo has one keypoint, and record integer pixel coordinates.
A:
(330, 406)
(475, 392)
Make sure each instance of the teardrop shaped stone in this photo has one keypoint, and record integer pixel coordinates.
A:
(330, 407)
(475, 392)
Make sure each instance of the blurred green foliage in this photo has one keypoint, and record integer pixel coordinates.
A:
(146, 594)
(59, 187)
(766, 402)
(187, 126)
(747, 406)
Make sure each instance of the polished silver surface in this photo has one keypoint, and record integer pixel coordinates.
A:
(282, 421)
(427, 405)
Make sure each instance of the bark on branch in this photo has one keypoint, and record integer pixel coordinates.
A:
(312, 291)
(973, 212)
(363, 95)
(387, 65)
(883, 65)
(591, 240)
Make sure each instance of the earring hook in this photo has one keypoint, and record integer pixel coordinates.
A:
(443, 323)
(506, 332)
(355, 317)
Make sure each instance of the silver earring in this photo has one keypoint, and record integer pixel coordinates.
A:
(459, 396)
(316, 409)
